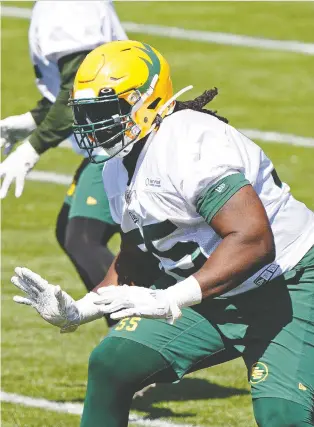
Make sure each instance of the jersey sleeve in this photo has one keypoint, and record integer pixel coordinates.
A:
(40, 111)
(212, 199)
(57, 122)
(212, 169)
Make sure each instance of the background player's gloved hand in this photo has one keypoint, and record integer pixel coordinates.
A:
(15, 168)
(54, 305)
(14, 129)
(126, 301)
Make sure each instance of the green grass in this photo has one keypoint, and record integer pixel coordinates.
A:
(277, 20)
(26, 4)
(260, 89)
(20, 416)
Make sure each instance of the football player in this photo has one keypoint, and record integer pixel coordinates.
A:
(235, 248)
(61, 33)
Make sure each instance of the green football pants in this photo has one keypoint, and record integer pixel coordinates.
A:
(271, 327)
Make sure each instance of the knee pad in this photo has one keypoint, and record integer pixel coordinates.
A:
(276, 412)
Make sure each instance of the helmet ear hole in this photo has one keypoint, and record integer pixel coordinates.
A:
(154, 104)
(106, 91)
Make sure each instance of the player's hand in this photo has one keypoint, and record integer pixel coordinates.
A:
(15, 168)
(52, 303)
(127, 301)
(14, 129)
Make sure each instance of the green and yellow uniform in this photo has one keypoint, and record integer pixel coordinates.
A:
(272, 328)
(192, 167)
(187, 169)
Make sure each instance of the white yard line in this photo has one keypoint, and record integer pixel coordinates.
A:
(194, 35)
(221, 38)
(76, 409)
(279, 138)
(52, 177)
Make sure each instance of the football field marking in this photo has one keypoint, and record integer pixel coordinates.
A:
(51, 177)
(77, 408)
(227, 39)
(279, 138)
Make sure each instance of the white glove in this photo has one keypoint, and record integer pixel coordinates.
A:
(54, 305)
(127, 301)
(14, 129)
(16, 166)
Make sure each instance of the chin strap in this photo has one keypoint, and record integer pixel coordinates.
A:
(136, 130)
(173, 98)
(158, 120)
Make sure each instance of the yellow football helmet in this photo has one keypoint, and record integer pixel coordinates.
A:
(122, 90)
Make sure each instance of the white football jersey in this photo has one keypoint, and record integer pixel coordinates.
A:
(190, 153)
(59, 28)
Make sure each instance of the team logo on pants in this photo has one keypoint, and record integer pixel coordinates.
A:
(259, 372)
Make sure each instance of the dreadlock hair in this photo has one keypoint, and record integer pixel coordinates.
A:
(199, 103)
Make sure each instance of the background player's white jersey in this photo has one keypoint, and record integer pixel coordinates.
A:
(191, 153)
(59, 28)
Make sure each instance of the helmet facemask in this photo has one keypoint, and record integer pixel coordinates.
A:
(106, 122)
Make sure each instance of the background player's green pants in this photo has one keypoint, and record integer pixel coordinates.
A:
(271, 327)
(86, 195)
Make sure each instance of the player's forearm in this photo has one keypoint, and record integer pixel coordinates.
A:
(235, 259)
(40, 111)
(56, 126)
(247, 243)
(111, 277)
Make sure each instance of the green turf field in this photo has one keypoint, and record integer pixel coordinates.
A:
(259, 89)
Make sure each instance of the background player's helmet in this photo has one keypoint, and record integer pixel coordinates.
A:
(120, 91)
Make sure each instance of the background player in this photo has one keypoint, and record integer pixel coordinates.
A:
(58, 44)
